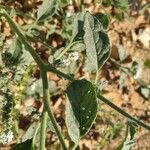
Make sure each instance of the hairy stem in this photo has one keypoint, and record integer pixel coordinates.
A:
(50, 68)
(35, 134)
(96, 77)
(112, 105)
(48, 109)
(65, 50)
(43, 130)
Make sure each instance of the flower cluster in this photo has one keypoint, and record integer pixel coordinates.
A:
(72, 57)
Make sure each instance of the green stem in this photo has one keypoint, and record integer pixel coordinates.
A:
(43, 130)
(121, 67)
(19, 13)
(36, 39)
(127, 130)
(81, 5)
(22, 38)
(65, 50)
(96, 77)
(35, 134)
(48, 109)
(112, 105)
(50, 68)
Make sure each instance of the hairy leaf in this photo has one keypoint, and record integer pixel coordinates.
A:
(72, 123)
(81, 108)
(96, 42)
(46, 9)
(78, 31)
(36, 88)
(30, 132)
(103, 19)
(16, 47)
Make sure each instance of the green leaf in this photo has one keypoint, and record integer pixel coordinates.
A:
(30, 132)
(72, 123)
(14, 51)
(24, 145)
(78, 47)
(46, 9)
(78, 31)
(81, 108)
(25, 61)
(36, 88)
(103, 19)
(108, 2)
(133, 128)
(147, 63)
(122, 4)
(96, 42)
(63, 3)
(17, 49)
(129, 140)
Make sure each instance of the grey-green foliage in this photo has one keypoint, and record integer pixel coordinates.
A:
(16, 59)
(16, 48)
(25, 61)
(96, 42)
(46, 9)
(12, 53)
(78, 25)
(30, 132)
(36, 88)
(81, 108)
(129, 139)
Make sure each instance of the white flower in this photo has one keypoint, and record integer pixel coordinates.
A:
(6, 137)
(74, 56)
(71, 57)
(66, 62)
